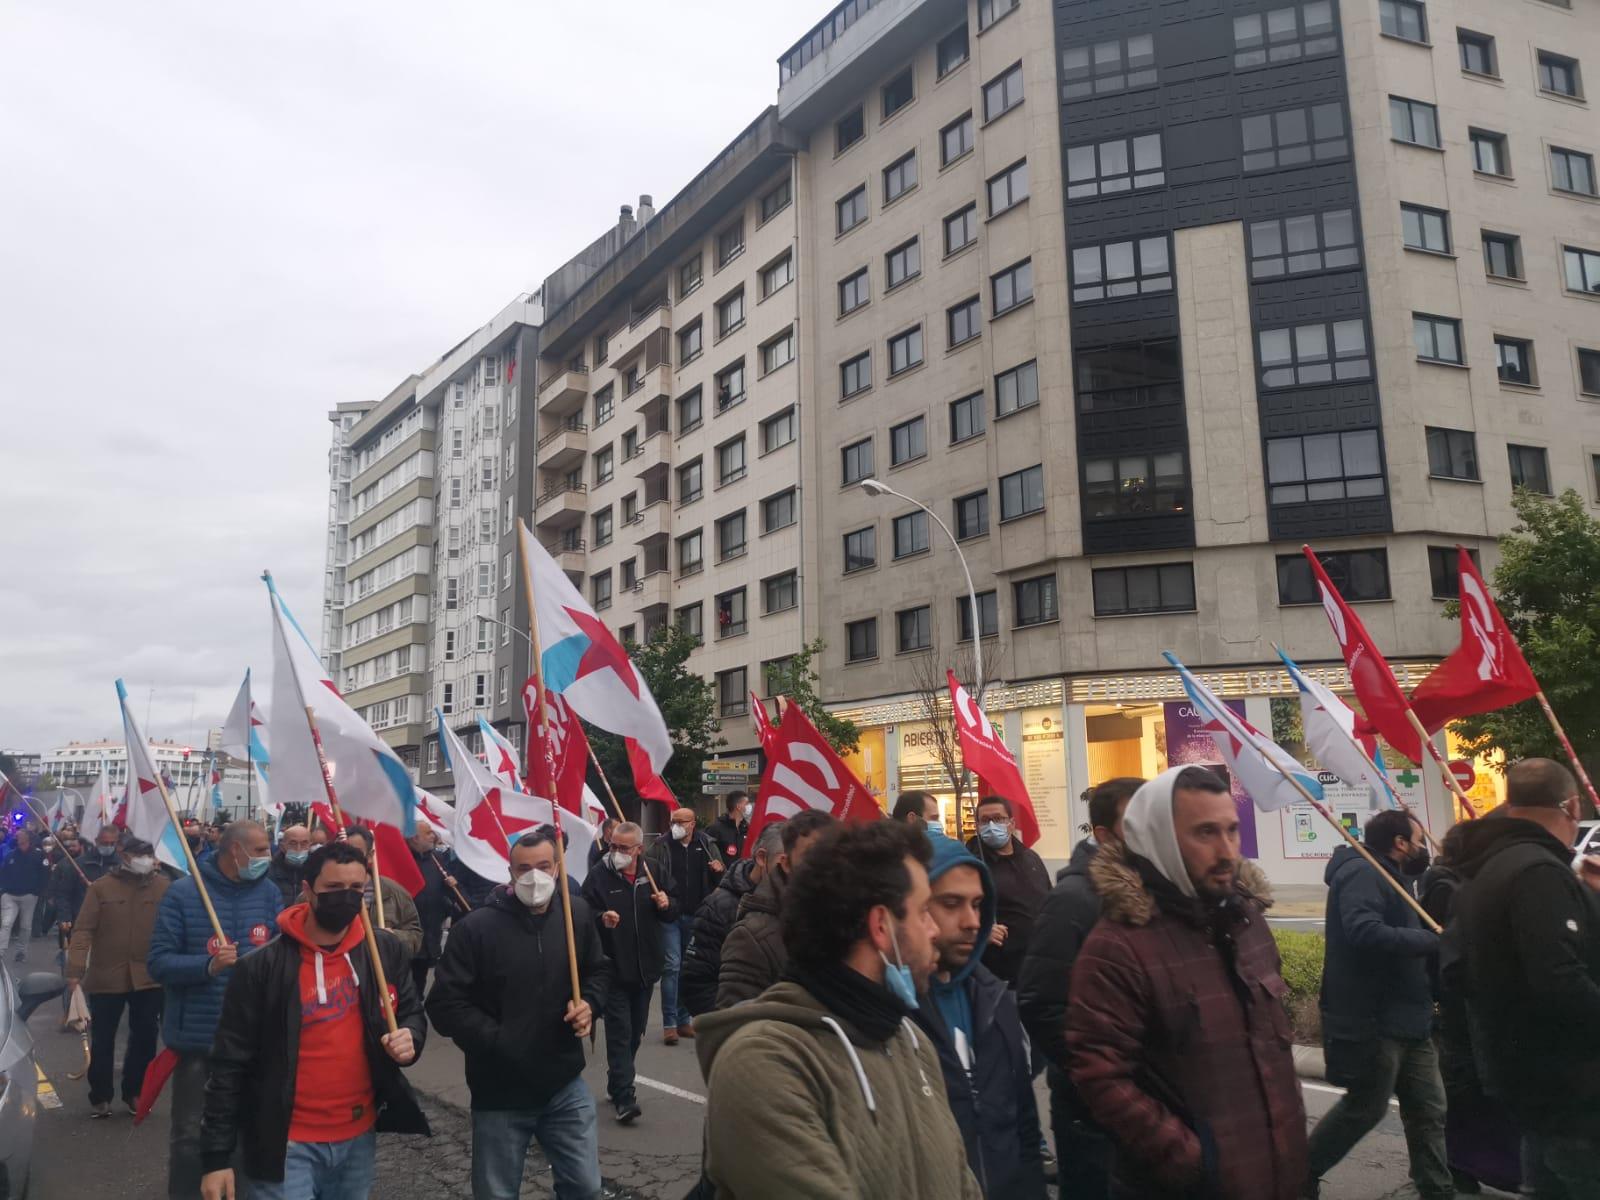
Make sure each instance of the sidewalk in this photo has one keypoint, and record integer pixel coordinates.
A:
(1300, 900)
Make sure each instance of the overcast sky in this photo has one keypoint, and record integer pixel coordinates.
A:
(220, 220)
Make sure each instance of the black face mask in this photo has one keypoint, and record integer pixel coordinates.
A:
(1417, 863)
(336, 910)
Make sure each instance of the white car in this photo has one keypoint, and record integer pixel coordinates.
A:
(19, 1077)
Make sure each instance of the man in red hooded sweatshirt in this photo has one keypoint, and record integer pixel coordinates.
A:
(302, 1048)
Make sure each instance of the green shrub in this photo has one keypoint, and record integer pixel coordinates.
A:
(1302, 971)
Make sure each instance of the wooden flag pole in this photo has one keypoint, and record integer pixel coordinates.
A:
(617, 809)
(377, 884)
(1550, 715)
(188, 853)
(1450, 780)
(536, 669)
(40, 817)
(445, 875)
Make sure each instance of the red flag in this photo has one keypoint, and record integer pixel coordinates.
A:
(324, 814)
(1485, 672)
(803, 772)
(395, 860)
(646, 782)
(1374, 683)
(762, 722)
(569, 748)
(155, 1078)
(987, 757)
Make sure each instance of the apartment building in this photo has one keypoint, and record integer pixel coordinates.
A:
(336, 553)
(669, 423)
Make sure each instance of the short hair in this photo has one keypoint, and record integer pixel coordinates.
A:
(1105, 798)
(134, 847)
(857, 866)
(908, 803)
(607, 827)
(771, 839)
(803, 825)
(627, 827)
(1539, 783)
(734, 798)
(359, 831)
(233, 833)
(1200, 779)
(1000, 800)
(540, 836)
(332, 853)
(1382, 829)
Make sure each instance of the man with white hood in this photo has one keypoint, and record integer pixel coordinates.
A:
(1178, 1042)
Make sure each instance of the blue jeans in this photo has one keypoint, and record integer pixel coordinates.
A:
(324, 1171)
(565, 1129)
(674, 938)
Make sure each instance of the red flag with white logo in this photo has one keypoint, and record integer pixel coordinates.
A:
(762, 722)
(1485, 672)
(569, 748)
(803, 772)
(987, 757)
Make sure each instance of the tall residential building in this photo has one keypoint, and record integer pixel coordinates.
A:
(337, 552)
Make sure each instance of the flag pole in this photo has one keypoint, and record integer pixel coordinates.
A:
(445, 875)
(377, 885)
(46, 825)
(1450, 780)
(615, 807)
(536, 668)
(1550, 715)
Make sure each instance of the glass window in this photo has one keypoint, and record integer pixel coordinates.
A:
(1502, 255)
(988, 615)
(1514, 360)
(780, 592)
(1022, 493)
(777, 275)
(731, 540)
(1559, 75)
(730, 460)
(690, 619)
(1011, 287)
(1110, 66)
(1438, 339)
(779, 352)
(604, 466)
(1116, 269)
(1129, 375)
(1490, 155)
(1125, 591)
(1283, 35)
(1425, 228)
(860, 549)
(914, 628)
(854, 291)
(730, 313)
(730, 613)
(908, 440)
(861, 640)
(602, 527)
(1120, 165)
(733, 698)
(897, 93)
(902, 263)
(778, 512)
(910, 534)
(600, 590)
(848, 130)
(951, 50)
(1477, 53)
(966, 417)
(1444, 571)
(1135, 485)
(730, 244)
(1034, 600)
(689, 411)
(1002, 94)
(899, 177)
(990, 11)
(1296, 245)
(1403, 19)
(1414, 121)
(855, 375)
(1016, 389)
(857, 458)
(1572, 171)
(1009, 188)
(1452, 453)
(689, 343)
(1589, 372)
(603, 405)
(961, 229)
(955, 139)
(1294, 137)
(729, 383)
(1357, 574)
(777, 431)
(963, 321)
(1530, 468)
(1324, 466)
(852, 209)
(690, 483)
(1308, 354)
(775, 201)
(905, 351)
(972, 515)
(1581, 269)
(691, 553)
(689, 278)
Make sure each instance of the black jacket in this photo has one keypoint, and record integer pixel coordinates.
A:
(1525, 949)
(1021, 882)
(1069, 913)
(994, 1106)
(727, 837)
(1375, 981)
(501, 991)
(250, 1094)
(68, 889)
(23, 873)
(688, 865)
(702, 957)
(636, 947)
(287, 876)
(435, 903)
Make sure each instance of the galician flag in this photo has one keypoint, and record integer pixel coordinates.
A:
(100, 809)
(1333, 738)
(148, 816)
(241, 732)
(368, 776)
(583, 661)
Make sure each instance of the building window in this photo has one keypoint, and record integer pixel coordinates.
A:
(1034, 600)
(899, 177)
(1011, 288)
(1502, 255)
(851, 210)
(1438, 339)
(600, 590)
(1425, 228)
(689, 277)
(729, 383)
(1004, 92)
(1559, 75)
(1295, 245)
(779, 352)
(730, 460)
(960, 229)
(1589, 372)
(1009, 188)
(491, 370)
(861, 640)
(896, 94)
(1414, 122)
(910, 534)
(972, 515)
(450, 645)
(1581, 270)
(1319, 353)
(1294, 137)
(1022, 493)
(455, 493)
(905, 351)
(1490, 155)
(775, 201)
(602, 527)
(988, 616)
(902, 263)
(780, 592)
(690, 411)
(733, 697)
(1452, 453)
(1284, 34)
(691, 553)
(913, 629)
(1129, 376)
(1135, 485)
(1121, 269)
(690, 620)
(1120, 165)
(632, 379)
(951, 50)
(857, 461)
(1530, 468)
(966, 418)
(1126, 591)
(861, 549)
(1110, 66)
(691, 481)
(604, 466)
(458, 443)
(908, 441)
(1405, 19)
(690, 343)
(855, 375)
(1357, 574)
(731, 536)
(1514, 360)
(1477, 53)
(963, 321)
(778, 512)
(1444, 571)
(955, 139)
(730, 243)
(1324, 466)
(730, 613)
(602, 406)
(730, 313)
(777, 431)
(990, 11)
(630, 574)
(777, 275)
(848, 130)
(1016, 389)
(630, 508)
(1572, 171)
(447, 697)
(854, 291)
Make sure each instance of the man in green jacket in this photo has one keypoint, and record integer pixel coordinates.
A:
(821, 1087)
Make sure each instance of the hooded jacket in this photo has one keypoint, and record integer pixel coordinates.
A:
(991, 1096)
(801, 1105)
(1069, 913)
(1525, 952)
(636, 947)
(753, 957)
(250, 1093)
(702, 957)
(1178, 1040)
(1375, 981)
(116, 921)
(501, 992)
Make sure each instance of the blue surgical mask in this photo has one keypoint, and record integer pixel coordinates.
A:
(255, 868)
(935, 827)
(994, 834)
(297, 857)
(897, 976)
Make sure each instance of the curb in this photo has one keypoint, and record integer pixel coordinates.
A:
(1309, 1063)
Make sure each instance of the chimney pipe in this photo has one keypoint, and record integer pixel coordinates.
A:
(647, 208)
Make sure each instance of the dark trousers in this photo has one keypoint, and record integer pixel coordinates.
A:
(105, 1014)
(419, 975)
(1083, 1157)
(627, 1010)
(188, 1085)
(1561, 1168)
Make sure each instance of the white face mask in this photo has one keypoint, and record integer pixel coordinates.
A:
(621, 859)
(142, 864)
(680, 831)
(534, 888)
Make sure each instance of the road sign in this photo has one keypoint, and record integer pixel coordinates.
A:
(736, 777)
(1465, 775)
(744, 765)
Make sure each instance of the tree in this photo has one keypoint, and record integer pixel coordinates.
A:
(795, 678)
(688, 703)
(1548, 588)
(932, 692)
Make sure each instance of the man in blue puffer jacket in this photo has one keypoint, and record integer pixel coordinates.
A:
(971, 1016)
(194, 970)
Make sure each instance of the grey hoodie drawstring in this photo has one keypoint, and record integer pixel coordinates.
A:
(927, 1088)
(322, 986)
(855, 1061)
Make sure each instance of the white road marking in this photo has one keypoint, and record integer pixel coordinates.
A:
(669, 1089)
(1333, 1091)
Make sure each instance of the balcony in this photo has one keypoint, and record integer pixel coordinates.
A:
(561, 506)
(652, 591)
(567, 550)
(565, 447)
(564, 391)
(655, 452)
(653, 520)
(651, 322)
(653, 386)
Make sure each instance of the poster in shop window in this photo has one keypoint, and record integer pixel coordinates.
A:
(1188, 744)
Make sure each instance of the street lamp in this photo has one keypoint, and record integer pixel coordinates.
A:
(874, 487)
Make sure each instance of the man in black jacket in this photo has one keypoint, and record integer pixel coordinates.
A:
(631, 915)
(294, 847)
(436, 902)
(502, 992)
(702, 957)
(23, 876)
(1377, 1006)
(694, 865)
(1021, 882)
(1069, 913)
(303, 1069)
(727, 831)
(1525, 947)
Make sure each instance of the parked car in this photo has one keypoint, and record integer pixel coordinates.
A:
(19, 1076)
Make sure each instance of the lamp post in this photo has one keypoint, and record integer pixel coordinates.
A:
(874, 487)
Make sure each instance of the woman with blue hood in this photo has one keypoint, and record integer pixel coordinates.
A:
(971, 1017)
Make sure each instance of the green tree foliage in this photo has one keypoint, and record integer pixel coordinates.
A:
(796, 678)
